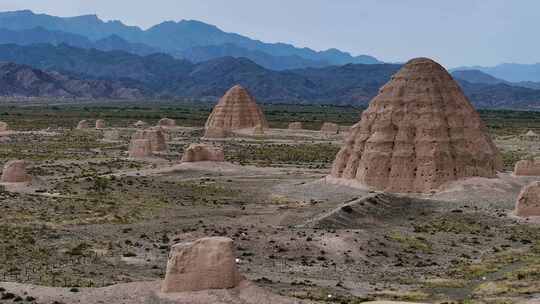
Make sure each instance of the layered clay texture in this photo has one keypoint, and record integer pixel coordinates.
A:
(155, 136)
(527, 167)
(528, 202)
(202, 152)
(236, 110)
(3, 126)
(15, 172)
(140, 148)
(207, 263)
(418, 133)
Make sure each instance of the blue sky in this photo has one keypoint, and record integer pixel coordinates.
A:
(456, 32)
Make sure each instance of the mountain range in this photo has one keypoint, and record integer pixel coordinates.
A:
(24, 81)
(511, 72)
(163, 76)
(188, 39)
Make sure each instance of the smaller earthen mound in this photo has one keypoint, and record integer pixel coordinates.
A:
(15, 172)
(207, 263)
(83, 124)
(100, 124)
(140, 124)
(155, 136)
(140, 148)
(330, 128)
(167, 123)
(528, 202)
(216, 133)
(236, 110)
(295, 126)
(5, 139)
(528, 167)
(202, 152)
(4, 126)
(111, 135)
(530, 135)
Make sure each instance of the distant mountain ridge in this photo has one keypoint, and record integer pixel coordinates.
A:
(163, 76)
(24, 81)
(512, 72)
(189, 39)
(479, 77)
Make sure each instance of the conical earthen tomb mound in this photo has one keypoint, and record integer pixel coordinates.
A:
(236, 110)
(418, 133)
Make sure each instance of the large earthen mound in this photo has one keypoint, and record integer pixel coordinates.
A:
(418, 133)
(207, 263)
(4, 126)
(202, 152)
(15, 172)
(528, 202)
(156, 137)
(236, 110)
(527, 167)
(140, 148)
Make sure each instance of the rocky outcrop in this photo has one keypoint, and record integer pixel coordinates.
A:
(295, 126)
(100, 124)
(140, 148)
(155, 136)
(528, 202)
(417, 134)
(207, 263)
(3, 126)
(83, 124)
(527, 167)
(330, 128)
(167, 123)
(15, 172)
(202, 152)
(236, 110)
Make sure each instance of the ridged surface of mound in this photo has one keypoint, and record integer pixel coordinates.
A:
(3, 126)
(236, 110)
(527, 167)
(528, 202)
(15, 172)
(417, 134)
